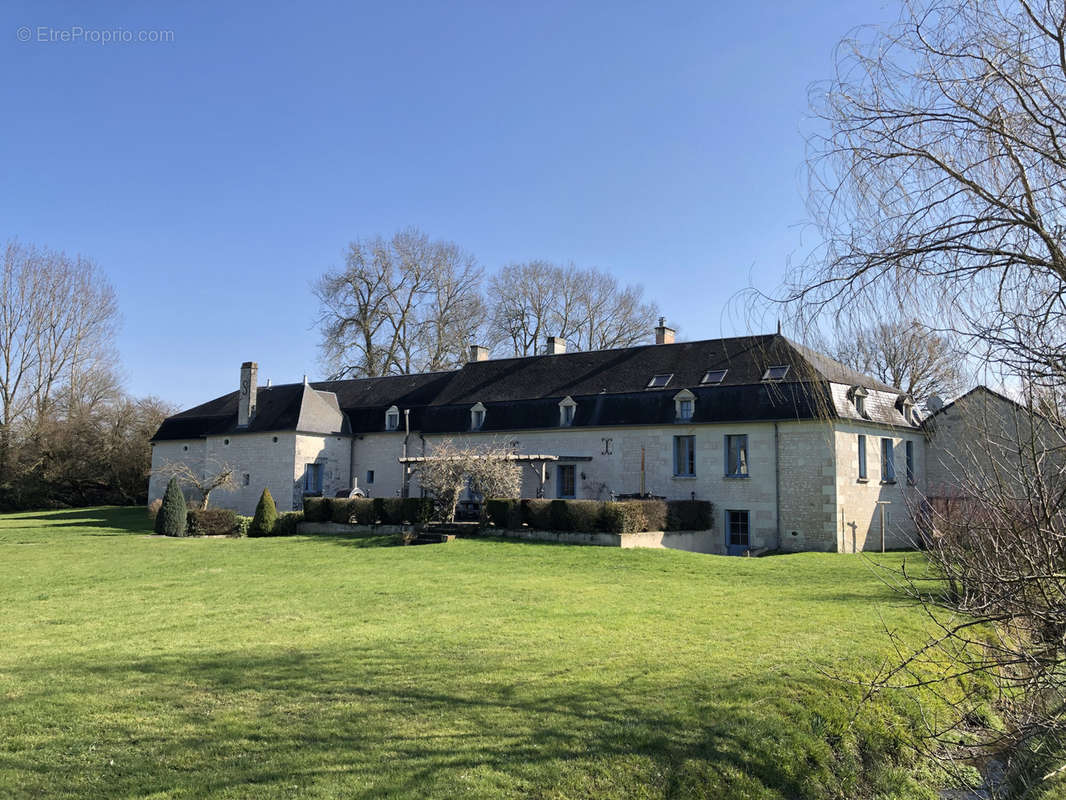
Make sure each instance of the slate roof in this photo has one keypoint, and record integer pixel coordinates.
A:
(609, 386)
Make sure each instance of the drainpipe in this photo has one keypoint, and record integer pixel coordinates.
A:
(777, 482)
(404, 491)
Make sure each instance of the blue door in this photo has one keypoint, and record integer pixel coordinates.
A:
(737, 538)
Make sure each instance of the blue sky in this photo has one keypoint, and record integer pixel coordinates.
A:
(214, 176)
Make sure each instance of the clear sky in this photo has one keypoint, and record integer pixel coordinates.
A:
(214, 176)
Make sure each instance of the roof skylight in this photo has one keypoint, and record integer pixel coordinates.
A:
(659, 381)
(713, 376)
(777, 373)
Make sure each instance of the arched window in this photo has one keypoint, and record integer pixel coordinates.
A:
(684, 406)
(392, 419)
(477, 417)
(567, 410)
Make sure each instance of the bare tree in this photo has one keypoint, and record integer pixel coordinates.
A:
(403, 305)
(903, 354)
(941, 183)
(587, 307)
(217, 475)
(57, 317)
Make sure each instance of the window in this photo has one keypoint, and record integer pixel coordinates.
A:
(888, 462)
(910, 462)
(659, 381)
(862, 456)
(860, 405)
(736, 455)
(247, 479)
(477, 417)
(684, 405)
(392, 419)
(684, 409)
(713, 376)
(567, 481)
(737, 529)
(369, 476)
(777, 373)
(313, 479)
(567, 409)
(684, 455)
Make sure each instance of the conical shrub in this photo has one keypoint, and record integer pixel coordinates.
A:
(266, 514)
(172, 518)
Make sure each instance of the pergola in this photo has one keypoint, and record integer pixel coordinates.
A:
(538, 462)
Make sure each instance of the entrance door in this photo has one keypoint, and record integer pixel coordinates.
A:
(737, 540)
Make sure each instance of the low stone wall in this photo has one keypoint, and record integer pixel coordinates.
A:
(692, 541)
(337, 527)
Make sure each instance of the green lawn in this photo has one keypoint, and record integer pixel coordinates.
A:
(138, 666)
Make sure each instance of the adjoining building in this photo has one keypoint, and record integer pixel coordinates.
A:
(796, 451)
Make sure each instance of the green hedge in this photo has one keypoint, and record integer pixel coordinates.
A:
(286, 523)
(537, 514)
(505, 512)
(212, 522)
(317, 509)
(266, 514)
(417, 510)
(689, 515)
(627, 516)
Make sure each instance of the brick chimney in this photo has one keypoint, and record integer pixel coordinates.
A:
(246, 396)
(478, 353)
(556, 345)
(664, 335)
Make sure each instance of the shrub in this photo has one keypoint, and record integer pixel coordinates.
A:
(537, 514)
(212, 522)
(417, 510)
(173, 513)
(389, 510)
(654, 515)
(154, 506)
(340, 510)
(505, 512)
(363, 511)
(266, 514)
(287, 522)
(584, 516)
(317, 509)
(243, 525)
(625, 517)
(689, 515)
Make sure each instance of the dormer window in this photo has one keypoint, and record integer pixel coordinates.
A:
(567, 409)
(392, 419)
(660, 381)
(713, 377)
(905, 404)
(858, 396)
(684, 405)
(477, 417)
(777, 373)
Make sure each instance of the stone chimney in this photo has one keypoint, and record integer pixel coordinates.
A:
(478, 353)
(556, 345)
(246, 396)
(664, 335)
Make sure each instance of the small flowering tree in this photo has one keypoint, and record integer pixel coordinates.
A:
(217, 476)
(489, 471)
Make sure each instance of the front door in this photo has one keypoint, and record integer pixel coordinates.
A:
(737, 539)
(567, 487)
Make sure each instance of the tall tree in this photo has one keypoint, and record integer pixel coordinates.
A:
(587, 307)
(407, 304)
(941, 181)
(57, 317)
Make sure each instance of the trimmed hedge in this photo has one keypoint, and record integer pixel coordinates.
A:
(505, 512)
(627, 516)
(172, 519)
(537, 514)
(242, 527)
(286, 523)
(654, 514)
(317, 509)
(417, 510)
(689, 515)
(212, 522)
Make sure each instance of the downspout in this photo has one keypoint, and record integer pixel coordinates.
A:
(404, 490)
(777, 482)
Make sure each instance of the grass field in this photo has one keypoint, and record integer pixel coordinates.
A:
(138, 666)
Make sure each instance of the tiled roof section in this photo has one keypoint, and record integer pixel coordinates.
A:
(610, 387)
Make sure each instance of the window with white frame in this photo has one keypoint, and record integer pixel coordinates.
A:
(684, 456)
(477, 417)
(659, 381)
(392, 419)
(736, 455)
(713, 377)
(684, 405)
(776, 373)
(858, 397)
(567, 410)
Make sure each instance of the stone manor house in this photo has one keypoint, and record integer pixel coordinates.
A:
(796, 451)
